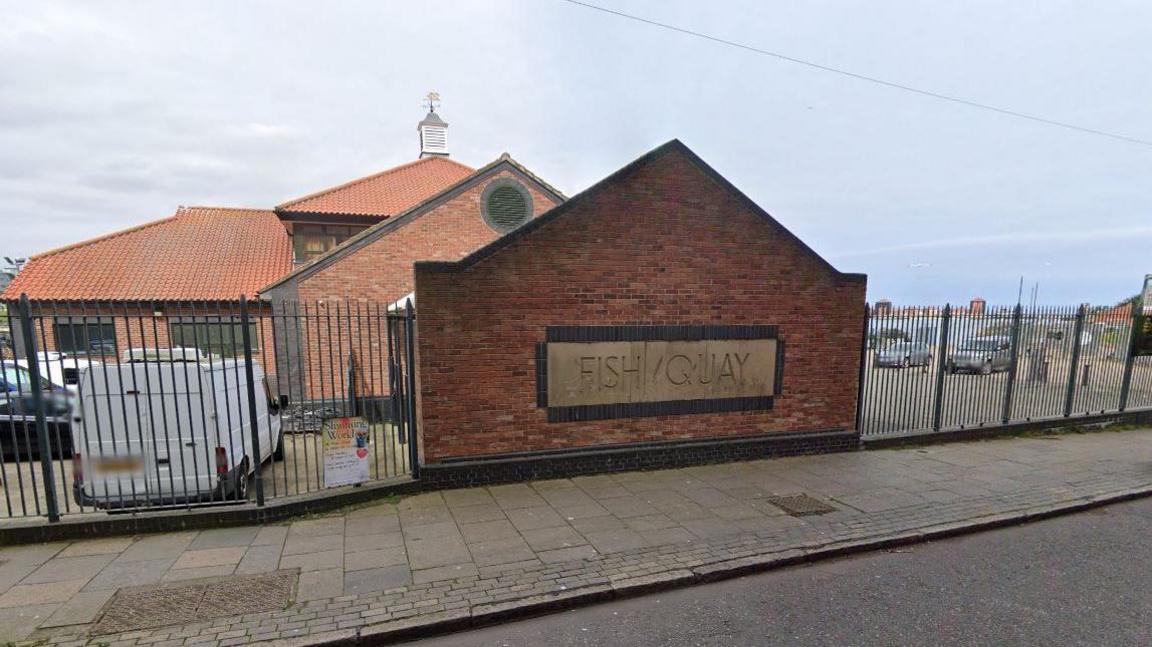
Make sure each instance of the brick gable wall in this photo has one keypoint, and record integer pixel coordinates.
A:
(381, 272)
(666, 244)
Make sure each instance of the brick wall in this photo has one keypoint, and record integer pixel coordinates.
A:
(381, 272)
(663, 242)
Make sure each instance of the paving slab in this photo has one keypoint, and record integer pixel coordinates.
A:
(69, 568)
(156, 547)
(120, 573)
(314, 561)
(81, 609)
(501, 551)
(319, 585)
(33, 594)
(303, 544)
(105, 546)
(209, 557)
(376, 579)
(259, 559)
(333, 525)
(478, 513)
(224, 538)
(543, 539)
(18, 623)
(270, 535)
(358, 543)
(369, 559)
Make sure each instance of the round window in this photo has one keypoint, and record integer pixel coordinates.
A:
(506, 205)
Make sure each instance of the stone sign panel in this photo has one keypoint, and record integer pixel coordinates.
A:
(598, 372)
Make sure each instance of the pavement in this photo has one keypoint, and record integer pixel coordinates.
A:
(1075, 580)
(452, 559)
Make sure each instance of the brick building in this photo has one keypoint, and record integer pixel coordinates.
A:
(177, 281)
(665, 251)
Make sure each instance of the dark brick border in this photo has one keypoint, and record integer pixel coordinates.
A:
(580, 334)
(511, 468)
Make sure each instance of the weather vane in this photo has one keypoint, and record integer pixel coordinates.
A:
(433, 100)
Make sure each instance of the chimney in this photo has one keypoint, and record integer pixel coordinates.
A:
(976, 306)
(433, 131)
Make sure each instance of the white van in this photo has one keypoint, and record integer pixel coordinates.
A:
(168, 432)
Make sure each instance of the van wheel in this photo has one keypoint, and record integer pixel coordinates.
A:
(240, 482)
(278, 454)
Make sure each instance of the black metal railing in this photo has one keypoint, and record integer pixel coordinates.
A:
(109, 407)
(928, 368)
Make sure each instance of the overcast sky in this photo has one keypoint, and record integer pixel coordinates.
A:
(112, 114)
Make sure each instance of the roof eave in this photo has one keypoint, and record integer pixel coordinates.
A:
(401, 218)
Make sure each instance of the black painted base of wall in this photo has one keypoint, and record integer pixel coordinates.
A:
(510, 468)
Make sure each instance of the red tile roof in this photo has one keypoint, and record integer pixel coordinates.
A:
(387, 193)
(200, 253)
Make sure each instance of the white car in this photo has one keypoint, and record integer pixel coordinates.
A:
(168, 432)
(61, 369)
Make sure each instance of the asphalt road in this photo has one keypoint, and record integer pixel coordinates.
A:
(1085, 579)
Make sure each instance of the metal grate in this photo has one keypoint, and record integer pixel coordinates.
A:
(185, 602)
(800, 505)
(507, 208)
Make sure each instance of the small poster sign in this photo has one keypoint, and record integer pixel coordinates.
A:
(345, 451)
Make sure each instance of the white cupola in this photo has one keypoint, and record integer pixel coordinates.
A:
(433, 131)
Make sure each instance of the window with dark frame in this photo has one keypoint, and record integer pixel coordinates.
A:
(78, 336)
(310, 241)
(219, 338)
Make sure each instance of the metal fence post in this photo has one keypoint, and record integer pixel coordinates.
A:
(1012, 365)
(410, 357)
(863, 372)
(253, 419)
(941, 358)
(32, 356)
(1130, 355)
(1070, 393)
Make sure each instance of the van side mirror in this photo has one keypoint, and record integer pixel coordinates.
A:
(283, 401)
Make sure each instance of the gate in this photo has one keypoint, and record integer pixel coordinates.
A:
(107, 407)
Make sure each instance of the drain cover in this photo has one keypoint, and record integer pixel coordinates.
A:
(195, 600)
(800, 505)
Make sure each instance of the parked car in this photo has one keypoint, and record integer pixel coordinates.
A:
(18, 434)
(61, 369)
(981, 355)
(904, 353)
(169, 431)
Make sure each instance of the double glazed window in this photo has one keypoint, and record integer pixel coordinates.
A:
(221, 338)
(310, 241)
(81, 335)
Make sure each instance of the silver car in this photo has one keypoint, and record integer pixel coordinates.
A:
(904, 353)
(981, 355)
